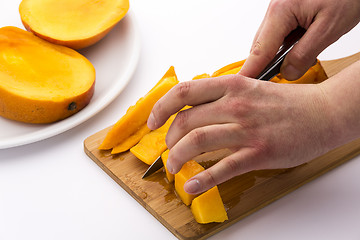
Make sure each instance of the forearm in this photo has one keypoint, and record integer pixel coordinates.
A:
(342, 93)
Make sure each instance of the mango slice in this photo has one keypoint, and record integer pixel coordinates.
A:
(137, 115)
(188, 170)
(72, 23)
(232, 68)
(164, 156)
(209, 207)
(315, 74)
(131, 140)
(41, 82)
(153, 144)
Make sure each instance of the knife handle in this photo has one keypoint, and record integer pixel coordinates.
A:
(273, 68)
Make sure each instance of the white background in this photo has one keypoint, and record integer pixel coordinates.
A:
(52, 190)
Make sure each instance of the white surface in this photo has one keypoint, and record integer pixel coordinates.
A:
(114, 59)
(52, 190)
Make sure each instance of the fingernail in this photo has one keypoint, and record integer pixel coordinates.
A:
(290, 72)
(192, 186)
(151, 121)
(169, 167)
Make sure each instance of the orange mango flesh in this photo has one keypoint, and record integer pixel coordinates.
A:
(188, 170)
(315, 74)
(232, 68)
(209, 207)
(41, 82)
(153, 144)
(136, 116)
(131, 140)
(76, 24)
(164, 156)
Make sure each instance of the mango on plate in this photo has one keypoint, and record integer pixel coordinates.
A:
(41, 82)
(209, 207)
(188, 170)
(72, 23)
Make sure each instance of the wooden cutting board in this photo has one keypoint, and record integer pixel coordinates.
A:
(242, 195)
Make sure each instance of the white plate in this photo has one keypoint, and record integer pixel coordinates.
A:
(115, 58)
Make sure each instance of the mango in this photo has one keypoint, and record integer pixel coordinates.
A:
(131, 140)
(41, 82)
(188, 170)
(73, 23)
(164, 156)
(137, 115)
(153, 144)
(209, 207)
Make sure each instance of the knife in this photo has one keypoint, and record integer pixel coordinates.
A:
(270, 71)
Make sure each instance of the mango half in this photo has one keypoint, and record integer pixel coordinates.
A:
(41, 82)
(73, 23)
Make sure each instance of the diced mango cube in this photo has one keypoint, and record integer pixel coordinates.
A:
(188, 170)
(164, 157)
(209, 207)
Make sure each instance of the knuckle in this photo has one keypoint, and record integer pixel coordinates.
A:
(209, 178)
(182, 90)
(234, 166)
(181, 119)
(301, 58)
(197, 137)
(277, 6)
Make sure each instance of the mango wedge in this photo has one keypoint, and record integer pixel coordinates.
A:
(137, 115)
(132, 140)
(153, 144)
(209, 207)
(315, 74)
(188, 170)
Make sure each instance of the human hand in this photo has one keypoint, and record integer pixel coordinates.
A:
(265, 125)
(325, 21)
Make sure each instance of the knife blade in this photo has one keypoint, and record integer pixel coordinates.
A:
(157, 164)
(270, 71)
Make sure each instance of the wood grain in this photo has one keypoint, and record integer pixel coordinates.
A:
(242, 195)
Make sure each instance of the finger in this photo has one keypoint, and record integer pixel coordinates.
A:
(237, 163)
(196, 117)
(185, 93)
(268, 41)
(304, 53)
(205, 139)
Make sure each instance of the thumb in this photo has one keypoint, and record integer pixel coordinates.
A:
(304, 53)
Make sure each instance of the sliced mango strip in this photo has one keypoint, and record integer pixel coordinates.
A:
(164, 157)
(153, 144)
(201, 76)
(132, 140)
(229, 69)
(209, 207)
(137, 115)
(188, 170)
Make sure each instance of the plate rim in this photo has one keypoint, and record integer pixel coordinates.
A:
(87, 113)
